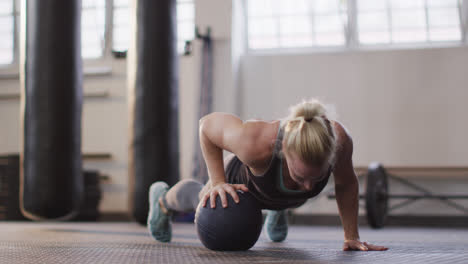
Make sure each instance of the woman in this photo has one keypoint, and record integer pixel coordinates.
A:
(282, 163)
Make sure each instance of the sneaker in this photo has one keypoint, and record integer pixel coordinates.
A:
(276, 225)
(159, 223)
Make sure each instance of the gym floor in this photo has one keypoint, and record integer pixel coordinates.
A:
(27, 242)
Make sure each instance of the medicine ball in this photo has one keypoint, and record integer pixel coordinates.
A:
(236, 227)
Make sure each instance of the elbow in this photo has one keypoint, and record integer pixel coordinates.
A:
(202, 122)
(204, 125)
(201, 128)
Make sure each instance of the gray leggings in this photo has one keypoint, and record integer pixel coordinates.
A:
(187, 193)
(184, 196)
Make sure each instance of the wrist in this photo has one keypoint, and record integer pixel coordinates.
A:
(352, 238)
(218, 182)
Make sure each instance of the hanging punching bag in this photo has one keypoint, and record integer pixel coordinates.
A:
(51, 184)
(153, 101)
(200, 172)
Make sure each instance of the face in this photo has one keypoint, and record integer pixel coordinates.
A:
(303, 174)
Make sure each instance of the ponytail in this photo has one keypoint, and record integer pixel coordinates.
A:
(309, 134)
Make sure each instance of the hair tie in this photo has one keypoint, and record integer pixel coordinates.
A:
(301, 121)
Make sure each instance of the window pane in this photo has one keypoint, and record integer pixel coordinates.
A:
(121, 38)
(185, 23)
(6, 48)
(121, 3)
(409, 36)
(326, 6)
(121, 32)
(263, 27)
(295, 25)
(6, 56)
(293, 7)
(376, 21)
(180, 46)
(92, 28)
(260, 8)
(185, 11)
(407, 4)
(93, 3)
(263, 43)
(444, 34)
(371, 5)
(6, 25)
(441, 3)
(444, 17)
(92, 18)
(6, 7)
(405, 19)
(6, 45)
(91, 52)
(296, 41)
(186, 31)
(93, 41)
(122, 17)
(6, 36)
(122, 20)
(374, 37)
(373, 21)
(331, 23)
(330, 39)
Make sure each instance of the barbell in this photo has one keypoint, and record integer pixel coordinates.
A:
(377, 195)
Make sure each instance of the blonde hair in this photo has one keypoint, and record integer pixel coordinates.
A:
(309, 134)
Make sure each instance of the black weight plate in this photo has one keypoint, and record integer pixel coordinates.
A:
(376, 195)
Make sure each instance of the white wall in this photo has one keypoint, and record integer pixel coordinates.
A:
(403, 107)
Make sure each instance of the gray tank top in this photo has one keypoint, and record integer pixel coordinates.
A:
(268, 188)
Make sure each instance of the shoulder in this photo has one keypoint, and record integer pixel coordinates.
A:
(344, 170)
(258, 139)
(341, 132)
(344, 141)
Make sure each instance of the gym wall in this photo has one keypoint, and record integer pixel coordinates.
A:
(399, 105)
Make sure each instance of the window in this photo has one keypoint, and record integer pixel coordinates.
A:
(94, 25)
(295, 23)
(93, 18)
(185, 23)
(403, 21)
(121, 29)
(277, 24)
(7, 32)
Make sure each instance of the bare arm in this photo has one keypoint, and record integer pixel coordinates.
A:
(347, 187)
(218, 132)
(347, 193)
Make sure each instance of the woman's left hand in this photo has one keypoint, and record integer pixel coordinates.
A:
(361, 246)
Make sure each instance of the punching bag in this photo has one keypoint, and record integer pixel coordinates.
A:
(153, 101)
(51, 183)
(200, 172)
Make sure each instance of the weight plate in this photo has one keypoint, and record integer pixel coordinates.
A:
(376, 195)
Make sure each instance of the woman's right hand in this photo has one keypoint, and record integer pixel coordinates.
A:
(221, 189)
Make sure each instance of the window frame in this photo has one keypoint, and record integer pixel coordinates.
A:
(8, 71)
(91, 66)
(352, 36)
